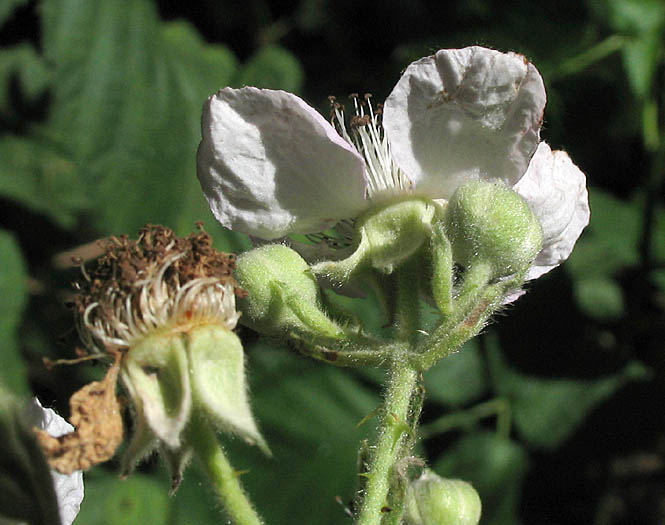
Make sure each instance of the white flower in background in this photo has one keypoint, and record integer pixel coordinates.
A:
(68, 488)
(270, 165)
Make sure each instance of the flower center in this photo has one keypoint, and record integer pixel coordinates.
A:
(365, 133)
(159, 281)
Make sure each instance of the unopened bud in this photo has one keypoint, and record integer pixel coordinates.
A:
(432, 499)
(282, 293)
(489, 223)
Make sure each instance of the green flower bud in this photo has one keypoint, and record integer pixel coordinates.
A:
(489, 223)
(282, 293)
(432, 499)
(396, 232)
(386, 237)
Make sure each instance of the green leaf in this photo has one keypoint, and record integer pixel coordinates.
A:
(495, 467)
(195, 501)
(458, 379)
(40, 177)
(610, 242)
(659, 280)
(308, 414)
(135, 501)
(643, 23)
(7, 7)
(547, 411)
(126, 106)
(23, 62)
(275, 68)
(13, 298)
(600, 298)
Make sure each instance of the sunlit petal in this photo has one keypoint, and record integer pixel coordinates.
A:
(464, 114)
(271, 165)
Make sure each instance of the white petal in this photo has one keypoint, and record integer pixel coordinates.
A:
(555, 190)
(464, 114)
(270, 165)
(68, 488)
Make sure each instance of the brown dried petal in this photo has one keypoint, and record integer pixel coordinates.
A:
(96, 416)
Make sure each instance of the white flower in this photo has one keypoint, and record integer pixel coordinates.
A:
(68, 488)
(270, 165)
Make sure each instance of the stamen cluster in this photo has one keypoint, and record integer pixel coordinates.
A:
(365, 133)
(159, 281)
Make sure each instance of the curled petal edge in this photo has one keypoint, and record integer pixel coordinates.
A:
(555, 189)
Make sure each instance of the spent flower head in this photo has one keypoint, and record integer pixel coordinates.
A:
(157, 282)
(164, 306)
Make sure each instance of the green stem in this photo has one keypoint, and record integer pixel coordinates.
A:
(498, 407)
(655, 146)
(354, 353)
(446, 339)
(221, 474)
(407, 308)
(398, 401)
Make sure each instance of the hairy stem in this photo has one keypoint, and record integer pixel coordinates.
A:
(394, 425)
(221, 474)
(398, 404)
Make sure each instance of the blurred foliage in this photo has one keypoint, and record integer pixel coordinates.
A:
(13, 296)
(99, 123)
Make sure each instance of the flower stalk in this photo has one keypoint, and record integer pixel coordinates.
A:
(396, 410)
(224, 479)
(398, 406)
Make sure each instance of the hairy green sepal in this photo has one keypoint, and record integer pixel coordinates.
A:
(386, 237)
(432, 499)
(173, 374)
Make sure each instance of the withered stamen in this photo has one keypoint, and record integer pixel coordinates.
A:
(159, 281)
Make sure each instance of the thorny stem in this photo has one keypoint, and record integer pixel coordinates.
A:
(221, 474)
(396, 412)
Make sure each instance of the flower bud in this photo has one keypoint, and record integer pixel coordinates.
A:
(491, 224)
(282, 293)
(397, 231)
(432, 499)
